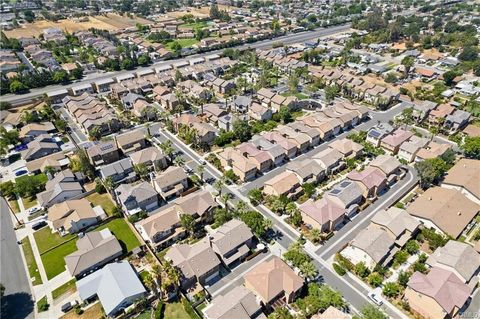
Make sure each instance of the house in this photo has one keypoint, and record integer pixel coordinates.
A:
(346, 194)
(237, 303)
(206, 133)
(330, 159)
(136, 198)
(151, 157)
(116, 286)
(378, 132)
(465, 176)
(56, 161)
(460, 258)
(171, 182)
(275, 151)
(444, 210)
(347, 147)
(409, 149)
(232, 242)
(274, 282)
(41, 146)
(103, 153)
(63, 186)
(322, 214)
(438, 294)
(94, 249)
(372, 180)
(196, 263)
(422, 109)
(439, 114)
(290, 148)
(72, 216)
(32, 130)
(131, 141)
(261, 159)
(259, 112)
(397, 223)
(432, 150)
(392, 142)
(456, 121)
(332, 313)
(242, 103)
(388, 165)
(286, 184)
(119, 171)
(243, 167)
(301, 140)
(213, 111)
(307, 170)
(163, 228)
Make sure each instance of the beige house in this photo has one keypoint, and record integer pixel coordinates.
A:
(465, 176)
(286, 183)
(71, 216)
(347, 148)
(171, 182)
(151, 157)
(131, 141)
(243, 167)
(322, 214)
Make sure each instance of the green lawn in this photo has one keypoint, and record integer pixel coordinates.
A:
(46, 239)
(42, 304)
(175, 310)
(13, 203)
(185, 43)
(31, 262)
(147, 314)
(122, 231)
(200, 24)
(54, 262)
(65, 288)
(29, 202)
(102, 200)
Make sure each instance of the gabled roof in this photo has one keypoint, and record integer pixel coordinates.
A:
(465, 173)
(230, 235)
(388, 164)
(171, 176)
(323, 210)
(396, 220)
(272, 277)
(64, 213)
(139, 192)
(370, 177)
(149, 154)
(238, 303)
(375, 242)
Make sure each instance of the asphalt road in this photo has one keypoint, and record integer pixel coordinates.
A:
(17, 302)
(287, 39)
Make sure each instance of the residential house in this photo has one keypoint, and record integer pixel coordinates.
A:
(131, 141)
(284, 184)
(440, 113)
(388, 165)
(237, 303)
(196, 263)
(94, 249)
(102, 153)
(330, 159)
(372, 180)
(445, 210)
(63, 186)
(56, 161)
(41, 146)
(120, 171)
(307, 170)
(347, 147)
(332, 313)
(460, 258)
(136, 198)
(171, 183)
(422, 109)
(464, 176)
(206, 133)
(289, 147)
(409, 149)
(151, 157)
(313, 134)
(33, 130)
(392, 142)
(378, 132)
(346, 194)
(243, 167)
(274, 282)
(432, 150)
(276, 152)
(260, 158)
(72, 216)
(438, 294)
(322, 214)
(242, 103)
(456, 121)
(119, 278)
(259, 112)
(232, 242)
(213, 111)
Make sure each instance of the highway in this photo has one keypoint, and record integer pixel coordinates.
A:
(17, 302)
(18, 99)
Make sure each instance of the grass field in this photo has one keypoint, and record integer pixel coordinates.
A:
(46, 239)
(122, 231)
(175, 310)
(194, 25)
(102, 200)
(67, 287)
(31, 262)
(54, 262)
(29, 202)
(185, 43)
(42, 304)
(14, 205)
(107, 22)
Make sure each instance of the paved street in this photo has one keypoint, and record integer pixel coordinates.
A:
(287, 39)
(76, 133)
(17, 302)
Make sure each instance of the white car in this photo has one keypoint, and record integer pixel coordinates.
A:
(33, 210)
(375, 298)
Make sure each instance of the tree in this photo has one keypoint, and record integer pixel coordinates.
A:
(254, 221)
(285, 114)
(296, 218)
(167, 149)
(448, 77)
(430, 171)
(277, 206)
(255, 195)
(242, 130)
(308, 270)
(391, 289)
(369, 311)
(293, 82)
(374, 279)
(109, 183)
(188, 223)
(127, 64)
(199, 170)
(16, 86)
(221, 216)
(361, 269)
(141, 170)
(84, 163)
(471, 147)
(95, 134)
(61, 125)
(403, 278)
(411, 247)
(331, 92)
(315, 235)
(218, 185)
(469, 53)
(408, 62)
(77, 73)
(7, 189)
(290, 208)
(280, 313)
(60, 76)
(176, 47)
(143, 60)
(179, 161)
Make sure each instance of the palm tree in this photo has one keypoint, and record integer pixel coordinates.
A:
(241, 207)
(308, 270)
(179, 161)
(200, 169)
(109, 183)
(267, 224)
(224, 199)
(218, 186)
(315, 235)
(290, 208)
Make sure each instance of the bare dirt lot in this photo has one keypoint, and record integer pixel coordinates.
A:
(108, 22)
(202, 12)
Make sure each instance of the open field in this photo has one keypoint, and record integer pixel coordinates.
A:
(108, 22)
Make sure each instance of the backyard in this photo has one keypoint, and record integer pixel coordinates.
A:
(175, 310)
(103, 200)
(122, 231)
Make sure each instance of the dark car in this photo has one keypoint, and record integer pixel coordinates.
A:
(39, 225)
(20, 147)
(67, 306)
(21, 172)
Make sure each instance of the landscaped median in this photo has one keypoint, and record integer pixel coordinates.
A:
(53, 248)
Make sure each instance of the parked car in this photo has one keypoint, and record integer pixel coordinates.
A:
(20, 147)
(69, 305)
(375, 298)
(21, 172)
(33, 210)
(39, 225)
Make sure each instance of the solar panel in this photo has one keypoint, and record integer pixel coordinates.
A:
(344, 184)
(106, 147)
(335, 191)
(374, 133)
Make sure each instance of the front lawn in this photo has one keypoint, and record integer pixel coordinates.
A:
(67, 287)
(124, 234)
(42, 304)
(31, 262)
(175, 310)
(45, 239)
(13, 203)
(102, 200)
(29, 202)
(54, 262)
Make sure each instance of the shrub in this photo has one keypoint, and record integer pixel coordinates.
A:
(159, 314)
(339, 269)
(375, 279)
